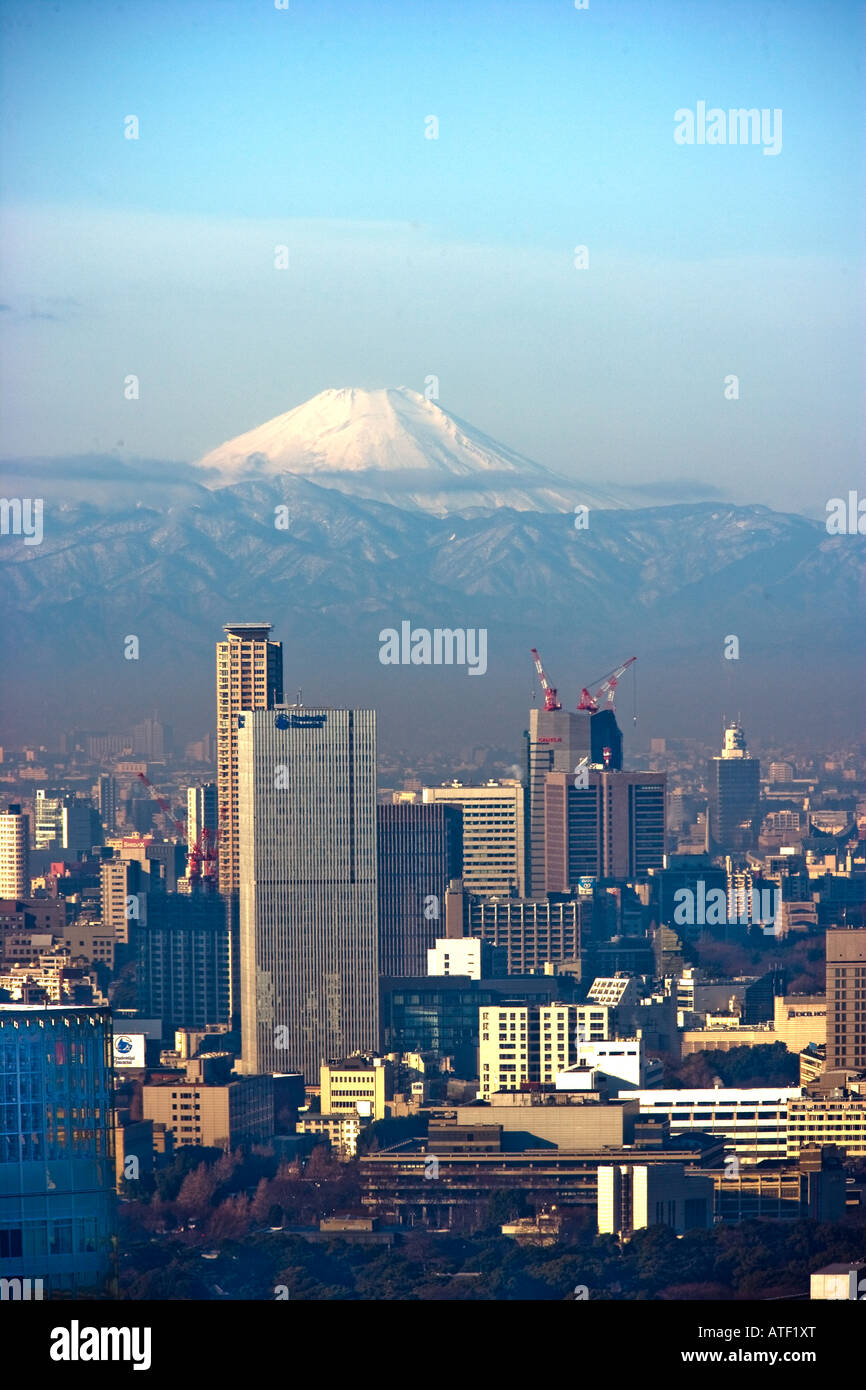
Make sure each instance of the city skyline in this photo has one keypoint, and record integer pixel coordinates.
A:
(432, 756)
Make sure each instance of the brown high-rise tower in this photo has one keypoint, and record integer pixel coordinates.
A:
(249, 676)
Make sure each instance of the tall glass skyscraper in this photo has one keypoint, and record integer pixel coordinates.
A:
(307, 869)
(57, 1197)
(736, 793)
(183, 961)
(420, 851)
(108, 802)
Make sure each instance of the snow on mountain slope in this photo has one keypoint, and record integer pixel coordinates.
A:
(393, 445)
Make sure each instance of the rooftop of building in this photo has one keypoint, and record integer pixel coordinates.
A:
(54, 1008)
(248, 630)
(549, 1095)
(359, 1063)
(721, 1095)
(696, 1149)
(505, 986)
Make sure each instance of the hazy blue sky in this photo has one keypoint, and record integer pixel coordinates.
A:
(452, 257)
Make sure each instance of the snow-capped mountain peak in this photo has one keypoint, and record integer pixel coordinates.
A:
(395, 445)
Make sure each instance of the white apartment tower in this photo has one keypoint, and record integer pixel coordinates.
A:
(14, 854)
(202, 818)
(526, 1042)
(493, 835)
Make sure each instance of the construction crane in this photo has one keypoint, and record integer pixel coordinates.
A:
(208, 847)
(607, 688)
(179, 825)
(205, 848)
(550, 700)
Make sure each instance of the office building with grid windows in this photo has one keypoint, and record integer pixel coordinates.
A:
(309, 948)
(57, 1198)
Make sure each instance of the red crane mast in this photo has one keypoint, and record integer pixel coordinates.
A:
(205, 847)
(179, 825)
(550, 700)
(607, 687)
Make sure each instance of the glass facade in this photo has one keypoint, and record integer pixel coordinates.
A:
(647, 826)
(56, 1160)
(736, 799)
(420, 850)
(183, 961)
(441, 1015)
(308, 894)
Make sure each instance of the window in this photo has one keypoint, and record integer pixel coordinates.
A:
(10, 1244)
(61, 1238)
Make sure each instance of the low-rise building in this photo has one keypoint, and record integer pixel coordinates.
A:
(813, 1060)
(812, 1188)
(800, 1019)
(340, 1130)
(618, 1061)
(222, 1116)
(359, 1086)
(423, 1185)
(839, 1281)
(834, 1119)
(543, 1117)
(753, 1120)
(616, 991)
(723, 1034)
(91, 940)
(462, 955)
(633, 1196)
(797, 1021)
(140, 1147)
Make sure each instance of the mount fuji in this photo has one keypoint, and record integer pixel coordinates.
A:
(394, 445)
(398, 510)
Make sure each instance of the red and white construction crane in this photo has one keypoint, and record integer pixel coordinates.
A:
(606, 688)
(550, 700)
(205, 848)
(179, 825)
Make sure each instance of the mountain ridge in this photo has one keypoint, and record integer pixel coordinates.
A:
(666, 583)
